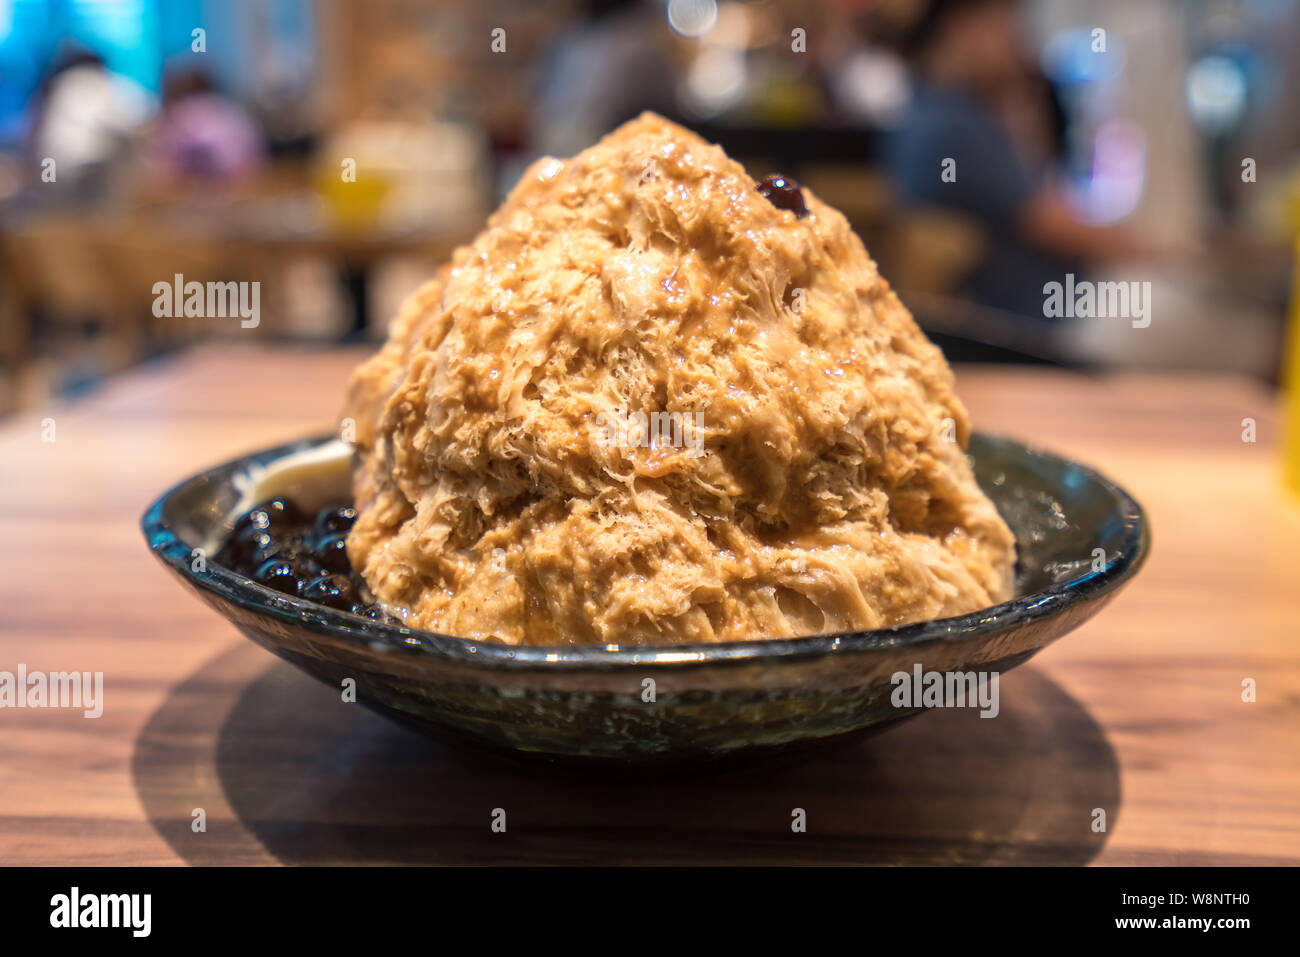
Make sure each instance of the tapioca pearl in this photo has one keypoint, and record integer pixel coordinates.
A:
(276, 516)
(332, 553)
(334, 519)
(283, 576)
(333, 591)
(293, 547)
(242, 552)
(368, 612)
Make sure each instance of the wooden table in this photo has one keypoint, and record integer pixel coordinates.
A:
(1140, 712)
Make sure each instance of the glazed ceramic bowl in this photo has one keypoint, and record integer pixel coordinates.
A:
(1080, 539)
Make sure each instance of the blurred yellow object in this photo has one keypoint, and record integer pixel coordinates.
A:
(353, 204)
(400, 177)
(1291, 388)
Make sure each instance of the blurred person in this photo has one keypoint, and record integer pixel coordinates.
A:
(202, 136)
(977, 101)
(84, 118)
(607, 68)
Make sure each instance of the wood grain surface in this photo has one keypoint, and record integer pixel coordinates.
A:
(1139, 713)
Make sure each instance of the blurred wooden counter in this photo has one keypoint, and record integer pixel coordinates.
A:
(1139, 713)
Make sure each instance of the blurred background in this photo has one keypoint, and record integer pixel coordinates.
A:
(336, 151)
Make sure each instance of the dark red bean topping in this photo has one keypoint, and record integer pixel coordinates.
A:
(784, 193)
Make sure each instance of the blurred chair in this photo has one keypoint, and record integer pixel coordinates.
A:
(62, 272)
(15, 333)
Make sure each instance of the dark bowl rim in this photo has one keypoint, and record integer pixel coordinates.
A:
(257, 598)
